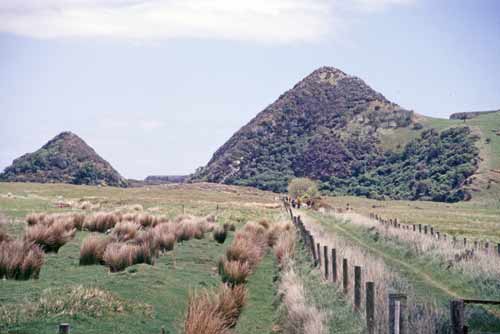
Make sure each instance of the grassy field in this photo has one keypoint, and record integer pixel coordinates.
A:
(475, 219)
(142, 298)
(427, 275)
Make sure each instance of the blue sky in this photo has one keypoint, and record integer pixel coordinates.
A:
(156, 86)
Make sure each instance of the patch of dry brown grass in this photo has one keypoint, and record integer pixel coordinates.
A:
(215, 312)
(50, 237)
(92, 249)
(101, 221)
(124, 231)
(20, 260)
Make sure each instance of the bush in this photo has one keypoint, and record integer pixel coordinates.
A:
(220, 234)
(302, 187)
(92, 250)
(20, 260)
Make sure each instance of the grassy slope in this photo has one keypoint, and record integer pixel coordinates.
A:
(165, 286)
(475, 219)
(427, 276)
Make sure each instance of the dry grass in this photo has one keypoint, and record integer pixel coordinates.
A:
(70, 220)
(20, 260)
(4, 236)
(234, 272)
(375, 270)
(219, 310)
(50, 237)
(301, 318)
(124, 231)
(229, 227)
(478, 264)
(203, 317)
(119, 256)
(92, 250)
(101, 221)
(244, 253)
(219, 234)
(230, 301)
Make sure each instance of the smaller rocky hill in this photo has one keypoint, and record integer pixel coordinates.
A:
(64, 159)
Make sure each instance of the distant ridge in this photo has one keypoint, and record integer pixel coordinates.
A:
(64, 159)
(471, 114)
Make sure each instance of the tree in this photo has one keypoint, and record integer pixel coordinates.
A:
(302, 187)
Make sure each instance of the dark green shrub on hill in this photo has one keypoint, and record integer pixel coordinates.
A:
(433, 167)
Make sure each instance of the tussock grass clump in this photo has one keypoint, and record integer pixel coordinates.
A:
(166, 241)
(119, 256)
(203, 317)
(4, 236)
(70, 220)
(20, 260)
(234, 272)
(188, 230)
(49, 237)
(101, 221)
(229, 227)
(124, 231)
(92, 249)
(214, 312)
(219, 234)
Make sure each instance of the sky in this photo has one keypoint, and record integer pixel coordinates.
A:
(156, 86)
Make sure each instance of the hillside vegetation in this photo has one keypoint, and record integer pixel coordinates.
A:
(64, 159)
(334, 128)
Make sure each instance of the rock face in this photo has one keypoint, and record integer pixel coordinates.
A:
(325, 125)
(64, 159)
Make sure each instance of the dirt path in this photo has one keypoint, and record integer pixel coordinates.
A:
(425, 277)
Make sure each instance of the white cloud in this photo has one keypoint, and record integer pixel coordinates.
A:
(271, 21)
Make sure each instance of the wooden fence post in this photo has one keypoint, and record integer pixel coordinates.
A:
(425, 229)
(370, 307)
(313, 249)
(64, 328)
(397, 314)
(465, 242)
(498, 249)
(325, 256)
(334, 265)
(419, 228)
(345, 274)
(457, 316)
(414, 228)
(357, 288)
(475, 244)
(318, 254)
(162, 331)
